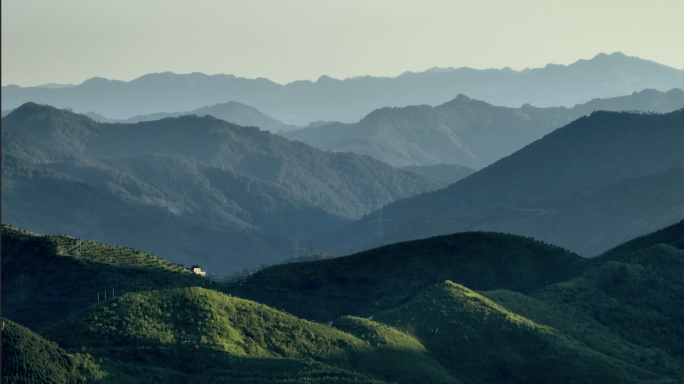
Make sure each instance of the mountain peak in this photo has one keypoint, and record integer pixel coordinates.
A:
(325, 78)
(612, 56)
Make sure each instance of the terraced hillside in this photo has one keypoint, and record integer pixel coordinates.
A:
(49, 278)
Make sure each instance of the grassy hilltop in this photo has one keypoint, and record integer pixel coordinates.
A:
(149, 325)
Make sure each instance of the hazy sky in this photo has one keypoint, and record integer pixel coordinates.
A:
(68, 41)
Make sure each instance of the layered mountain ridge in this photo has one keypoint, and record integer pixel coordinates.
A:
(302, 102)
(465, 131)
(566, 187)
(224, 184)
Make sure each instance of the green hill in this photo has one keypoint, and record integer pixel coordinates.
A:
(626, 305)
(382, 278)
(398, 357)
(480, 341)
(49, 278)
(540, 314)
(148, 326)
(637, 297)
(29, 358)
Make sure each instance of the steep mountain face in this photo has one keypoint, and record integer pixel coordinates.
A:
(246, 189)
(302, 102)
(463, 130)
(525, 192)
(232, 112)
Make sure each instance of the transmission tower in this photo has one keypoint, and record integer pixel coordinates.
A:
(296, 249)
(379, 220)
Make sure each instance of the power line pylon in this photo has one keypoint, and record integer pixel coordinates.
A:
(379, 220)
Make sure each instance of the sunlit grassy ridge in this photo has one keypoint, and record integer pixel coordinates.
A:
(29, 358)
(480, 341)
(368, 282)
(48, 278)
(156, 323)
(200, 317)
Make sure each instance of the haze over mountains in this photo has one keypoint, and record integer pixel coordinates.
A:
(464, 131)
(231, 196)
(587, 187)
(232, 112)
(348, 100)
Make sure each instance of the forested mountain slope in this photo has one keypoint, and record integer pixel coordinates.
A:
(617, 164)
(223, 195)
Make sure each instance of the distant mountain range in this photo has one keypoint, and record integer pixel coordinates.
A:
(465, 131)
(193, 189)
(588, 186)
(302, 102)
(232, 112)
